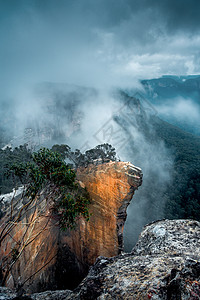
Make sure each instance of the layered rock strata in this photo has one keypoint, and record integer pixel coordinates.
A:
(36, 255)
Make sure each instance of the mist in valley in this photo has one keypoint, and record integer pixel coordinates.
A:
(64, 67)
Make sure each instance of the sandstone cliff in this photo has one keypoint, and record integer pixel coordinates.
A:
(37, 255)
(164, 265)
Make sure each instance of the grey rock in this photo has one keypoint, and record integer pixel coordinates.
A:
(173, 236)
(51, 295)
(165, 264)
(6, 294)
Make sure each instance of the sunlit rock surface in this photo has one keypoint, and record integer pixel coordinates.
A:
(165, 264)
(52, 259)
(111, 187)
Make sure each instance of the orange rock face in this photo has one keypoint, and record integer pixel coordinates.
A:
(49, 258)
(111, 187)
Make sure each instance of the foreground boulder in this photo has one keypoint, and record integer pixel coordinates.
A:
(36, 255)
(165, 264)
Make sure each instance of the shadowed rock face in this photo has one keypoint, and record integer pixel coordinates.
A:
(165, 264)
(52, 259)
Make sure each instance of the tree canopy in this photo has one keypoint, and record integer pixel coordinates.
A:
(47, 169)
(101, 153)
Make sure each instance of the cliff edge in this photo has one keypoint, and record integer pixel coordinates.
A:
(36, 255)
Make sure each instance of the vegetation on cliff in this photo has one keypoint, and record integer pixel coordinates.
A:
(47, 168)
(101, 153)
(181, 197)
(8, 157)
(21, 155)
(45, 175)
(52, 198)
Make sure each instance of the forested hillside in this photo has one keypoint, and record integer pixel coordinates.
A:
(184, 192)
(176, 99)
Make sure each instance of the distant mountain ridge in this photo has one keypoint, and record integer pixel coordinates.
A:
(177, 100)
(172, 86)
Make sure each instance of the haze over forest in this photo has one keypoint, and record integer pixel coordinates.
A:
(79, 72)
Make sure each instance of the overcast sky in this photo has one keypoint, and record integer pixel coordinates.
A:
(96, 42)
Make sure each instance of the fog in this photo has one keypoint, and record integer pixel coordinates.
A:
(95, 43)
(183, 112)
(63, 63)
(180, 108)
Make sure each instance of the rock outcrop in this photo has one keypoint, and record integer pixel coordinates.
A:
(36, 255)
(165, 264)
(111, 187)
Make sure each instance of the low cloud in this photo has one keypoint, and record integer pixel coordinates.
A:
(103, 45)
(180, 109)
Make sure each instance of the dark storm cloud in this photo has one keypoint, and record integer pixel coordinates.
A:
(105, 14)
(96, 42)
(180, 14)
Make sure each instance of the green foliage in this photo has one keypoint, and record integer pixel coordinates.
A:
(14, 162)
(15, 158)
(102, 153)
(69, 210)
(64, 150)
(183, 194)
(48, 168)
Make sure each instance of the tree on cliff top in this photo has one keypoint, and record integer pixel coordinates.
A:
(22, 154)
(48, 168)
(101, 153)
(46, 174)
